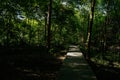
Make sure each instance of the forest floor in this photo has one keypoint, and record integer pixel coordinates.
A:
(33, 66)
(36, 66)
(105, 72)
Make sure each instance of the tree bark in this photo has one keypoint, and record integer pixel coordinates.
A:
(49, 25)
(45, 29)
(90, 29)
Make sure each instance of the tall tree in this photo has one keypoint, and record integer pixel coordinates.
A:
(90, 29)
(49, 25)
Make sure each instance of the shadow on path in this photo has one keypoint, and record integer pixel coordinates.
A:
(75, 67)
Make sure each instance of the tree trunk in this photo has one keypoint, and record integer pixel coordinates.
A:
(90, 29)
(49, 25)
(45, 29)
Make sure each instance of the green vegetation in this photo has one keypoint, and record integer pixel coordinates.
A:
(49, 26)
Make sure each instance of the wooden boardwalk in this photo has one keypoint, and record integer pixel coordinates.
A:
(75, 67)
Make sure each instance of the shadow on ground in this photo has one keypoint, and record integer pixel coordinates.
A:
(28, 65)
(75, 67)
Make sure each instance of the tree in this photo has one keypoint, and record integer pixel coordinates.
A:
(90, 29)
(49, 25)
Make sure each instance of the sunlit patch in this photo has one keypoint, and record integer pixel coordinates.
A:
(64, 3)
(61, 57)
(21, 17)
(74, 54)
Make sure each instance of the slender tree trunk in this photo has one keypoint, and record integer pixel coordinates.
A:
(104, 41)
(90, 29)
(49, 25)
(106, 24)
(45, 37)
(8, 31)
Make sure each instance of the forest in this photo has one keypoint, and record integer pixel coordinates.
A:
(34, 33)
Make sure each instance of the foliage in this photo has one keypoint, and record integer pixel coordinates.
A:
(23, 24)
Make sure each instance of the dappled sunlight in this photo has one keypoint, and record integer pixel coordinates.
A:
(75, 67)
(73, 48)
(61, 57)
(74, 54)
(38, 38)
(114, 47)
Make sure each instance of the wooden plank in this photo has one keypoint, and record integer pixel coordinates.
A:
(75, 67)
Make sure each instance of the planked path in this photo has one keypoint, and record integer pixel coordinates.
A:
(75, 67)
